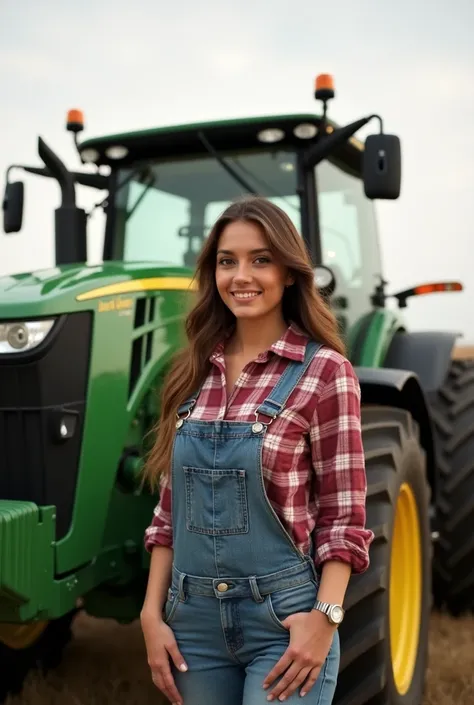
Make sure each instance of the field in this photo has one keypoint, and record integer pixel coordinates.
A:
(106, 665)
(463, 352)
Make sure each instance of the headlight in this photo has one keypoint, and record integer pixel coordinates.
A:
(19, 336)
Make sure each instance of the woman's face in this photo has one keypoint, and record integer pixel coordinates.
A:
(249, 279)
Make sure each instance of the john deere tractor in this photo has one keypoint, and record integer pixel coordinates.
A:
(83, 351)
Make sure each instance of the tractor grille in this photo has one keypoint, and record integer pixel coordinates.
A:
(40, 391)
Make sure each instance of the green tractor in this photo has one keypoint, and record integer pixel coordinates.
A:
(83, 350)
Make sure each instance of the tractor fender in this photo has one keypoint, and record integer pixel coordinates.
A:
(427, 354)
(401, 389)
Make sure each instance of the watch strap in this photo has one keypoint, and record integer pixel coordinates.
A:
(322, 606)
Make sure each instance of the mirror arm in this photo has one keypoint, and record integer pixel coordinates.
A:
(328, 143)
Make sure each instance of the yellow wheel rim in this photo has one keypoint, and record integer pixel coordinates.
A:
(405, 589)
(21, 636)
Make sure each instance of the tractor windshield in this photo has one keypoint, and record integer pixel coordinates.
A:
(164, 211)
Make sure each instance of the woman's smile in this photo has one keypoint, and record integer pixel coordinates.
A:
(245, 296)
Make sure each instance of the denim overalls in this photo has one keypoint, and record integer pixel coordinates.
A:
(236, 572)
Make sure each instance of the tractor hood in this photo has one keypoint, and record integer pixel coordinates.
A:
(77, 287)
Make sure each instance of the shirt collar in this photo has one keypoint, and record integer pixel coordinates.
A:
(291, 345)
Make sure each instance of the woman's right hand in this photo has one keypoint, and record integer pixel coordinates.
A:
(160, 645)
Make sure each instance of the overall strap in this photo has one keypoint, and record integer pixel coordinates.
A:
(185, 409)
(274, 404)
(187, 406)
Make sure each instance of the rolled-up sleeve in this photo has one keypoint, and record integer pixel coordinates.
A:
(339, 465)
(160, 531)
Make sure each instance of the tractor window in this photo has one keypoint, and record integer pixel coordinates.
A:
(349, 239)
(156, 207)
(166, 210)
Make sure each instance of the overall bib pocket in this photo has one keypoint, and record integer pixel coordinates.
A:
(216, 501)
(282, 603)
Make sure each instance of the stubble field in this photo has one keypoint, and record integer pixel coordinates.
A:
(105, 664)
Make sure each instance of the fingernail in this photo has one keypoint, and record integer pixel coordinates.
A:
(269, 697)
(183, 667)
(282, 698)
(303, 694)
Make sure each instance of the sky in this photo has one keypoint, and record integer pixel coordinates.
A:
(151, 63)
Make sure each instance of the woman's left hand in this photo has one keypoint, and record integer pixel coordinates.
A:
(311, 637)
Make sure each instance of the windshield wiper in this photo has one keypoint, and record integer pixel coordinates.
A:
(143, 172)
(225, 165)
(151, 182)
(240, 179)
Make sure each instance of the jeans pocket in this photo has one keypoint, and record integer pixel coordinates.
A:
(283, 603)
(171, 605)
(216, 501)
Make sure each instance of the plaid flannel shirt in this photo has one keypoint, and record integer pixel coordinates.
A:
(312, 459)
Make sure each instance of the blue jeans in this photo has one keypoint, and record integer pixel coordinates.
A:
(231, 645)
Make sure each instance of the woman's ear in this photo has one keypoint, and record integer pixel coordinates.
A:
(290, 280)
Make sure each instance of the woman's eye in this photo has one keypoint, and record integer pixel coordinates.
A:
(226, 261)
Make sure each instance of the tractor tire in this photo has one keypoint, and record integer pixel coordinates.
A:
(384, 635)
(453, 563)
(44, 654)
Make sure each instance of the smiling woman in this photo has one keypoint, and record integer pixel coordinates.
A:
(261, 517)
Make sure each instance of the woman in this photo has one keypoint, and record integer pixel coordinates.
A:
(261, 514)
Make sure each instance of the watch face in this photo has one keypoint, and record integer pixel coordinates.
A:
(337, 614)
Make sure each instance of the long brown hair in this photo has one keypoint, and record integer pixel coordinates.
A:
(210, 320)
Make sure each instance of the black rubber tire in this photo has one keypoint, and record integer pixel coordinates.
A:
(393, 456)
(45, 654)
(453, 416)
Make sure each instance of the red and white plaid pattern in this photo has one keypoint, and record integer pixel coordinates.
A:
(313, 459)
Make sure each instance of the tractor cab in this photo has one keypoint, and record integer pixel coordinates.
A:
(166, 195)
(166, 186)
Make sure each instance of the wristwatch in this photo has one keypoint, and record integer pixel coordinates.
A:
(334, 613)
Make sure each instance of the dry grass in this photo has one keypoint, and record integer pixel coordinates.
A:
(451, 666)
(106, 665)
(463, 352)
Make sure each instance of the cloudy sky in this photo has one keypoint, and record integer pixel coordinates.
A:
(150, 62)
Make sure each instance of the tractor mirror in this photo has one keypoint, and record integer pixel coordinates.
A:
(325, 280)
(13, 206)
(382, 166)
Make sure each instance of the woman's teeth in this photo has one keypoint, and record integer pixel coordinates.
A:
(246, 295)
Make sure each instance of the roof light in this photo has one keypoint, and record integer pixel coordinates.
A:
(305, 131)
(116, 151)
(75, 120)
(270, 135)
(89, 155)
(324, 87)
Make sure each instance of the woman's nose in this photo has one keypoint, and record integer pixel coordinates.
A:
(243, 274)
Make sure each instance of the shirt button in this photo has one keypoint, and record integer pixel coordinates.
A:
(222, 587)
